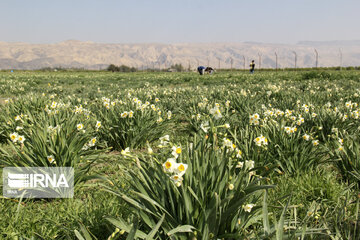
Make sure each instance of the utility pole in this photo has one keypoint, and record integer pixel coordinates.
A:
(259, 60)
(244, 61)
(219, 63)
(189, 66)
(276, 61)
(317, 58)
(295, 58)
(340, 58)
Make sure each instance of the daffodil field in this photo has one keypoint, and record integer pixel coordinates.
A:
(270, 155)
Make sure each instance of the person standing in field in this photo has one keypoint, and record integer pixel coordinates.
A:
(252, 66)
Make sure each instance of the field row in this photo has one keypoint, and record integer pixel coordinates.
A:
(182, 156)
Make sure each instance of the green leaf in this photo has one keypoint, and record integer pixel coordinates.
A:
(151, 201)
(182, 228)
(266, 215)
(132, 232)
(280, 225)
(78, 235)
(119, 223)
(85, 233)
(155, 229)
(195, 196)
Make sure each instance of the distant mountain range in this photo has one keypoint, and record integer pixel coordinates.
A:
(90, 55)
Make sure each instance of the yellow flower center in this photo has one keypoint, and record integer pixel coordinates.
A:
(178, 150)
(168, 165)
(181, 168)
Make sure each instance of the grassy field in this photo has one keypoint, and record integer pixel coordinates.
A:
(270, 155)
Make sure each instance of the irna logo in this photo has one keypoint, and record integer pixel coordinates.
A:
(38, 182)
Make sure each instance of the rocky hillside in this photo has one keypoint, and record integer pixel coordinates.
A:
(92, 55)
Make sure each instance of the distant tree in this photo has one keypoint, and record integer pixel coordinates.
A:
(178, 67)
(113, 68)
(122, 68)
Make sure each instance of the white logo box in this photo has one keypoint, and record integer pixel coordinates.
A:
(38, 182)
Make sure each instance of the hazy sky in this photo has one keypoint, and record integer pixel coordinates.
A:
(171, 21)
